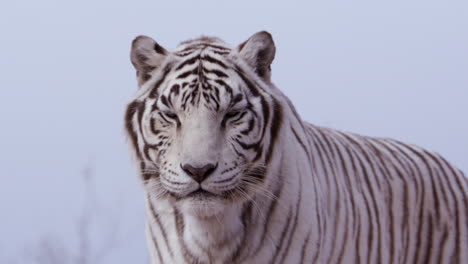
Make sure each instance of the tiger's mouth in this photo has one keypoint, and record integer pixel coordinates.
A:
(201, 193)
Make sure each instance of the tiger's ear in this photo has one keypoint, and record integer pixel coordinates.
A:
(259, 51)
(146, 55)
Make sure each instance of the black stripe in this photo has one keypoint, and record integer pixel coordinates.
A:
(153, 127)
(458, 224)
(318, 147)
(428, 250)
(187, 73)
(249, 128)
(271, 210)
(213, 60)
(445, 235)
(330, 152)
(285, 229)
(161, 227)
(216, 92)
(404, 229)
(188, 62)
(239, 117)
(164, 100)
(146, 150)
(345, 172)
(442, 188)
(158, 251)
(225, 85)
(180, 226)
(266, 116)
(236, 99)
(166, 70)
(163, 117)
(392, 225)
(215, 72)
(422, 206)
(304, 246)
(246, 217)
(301, 143)
(368, 161)
(175, 89)
(370, 235)
(215, 101)
(187, 49)
(185, 53)
(203, 45)
(357, 162)
(217, 47)
(153, 238)
(237, 152)
(221, 52)
(294, 225)
(415, 172)
(132, 109)
(249, 84)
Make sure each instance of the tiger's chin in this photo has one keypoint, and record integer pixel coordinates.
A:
(203, 205)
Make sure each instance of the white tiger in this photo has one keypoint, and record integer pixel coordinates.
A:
(233, 175)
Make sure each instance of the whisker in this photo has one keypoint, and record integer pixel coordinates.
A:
(262, 192)
(265, 192)
(149, 172)
(257, 207)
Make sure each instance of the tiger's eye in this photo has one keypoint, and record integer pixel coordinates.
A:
(231, 114)
(170, 115)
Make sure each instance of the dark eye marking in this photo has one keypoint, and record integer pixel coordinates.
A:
(233, 116)
(169, 117)
(164, 100)
(237, 99)
(238, 117)
(175, 89)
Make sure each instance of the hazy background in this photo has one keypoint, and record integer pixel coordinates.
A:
(396, 69)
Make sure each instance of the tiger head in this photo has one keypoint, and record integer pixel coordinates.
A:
(204, 122)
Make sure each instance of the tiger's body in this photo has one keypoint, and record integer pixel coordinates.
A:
(233, 175)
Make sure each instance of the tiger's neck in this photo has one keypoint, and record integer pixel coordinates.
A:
(214, 238)
(234, 235)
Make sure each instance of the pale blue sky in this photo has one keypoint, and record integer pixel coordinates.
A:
(392, 69)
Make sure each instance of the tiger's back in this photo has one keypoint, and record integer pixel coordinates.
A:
(402, 204)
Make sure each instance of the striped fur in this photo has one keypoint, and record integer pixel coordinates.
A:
(283, 191)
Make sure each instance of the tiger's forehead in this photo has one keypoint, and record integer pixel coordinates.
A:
(202, 75)
(182, 96)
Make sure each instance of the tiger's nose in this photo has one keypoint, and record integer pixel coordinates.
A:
(199, 174)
